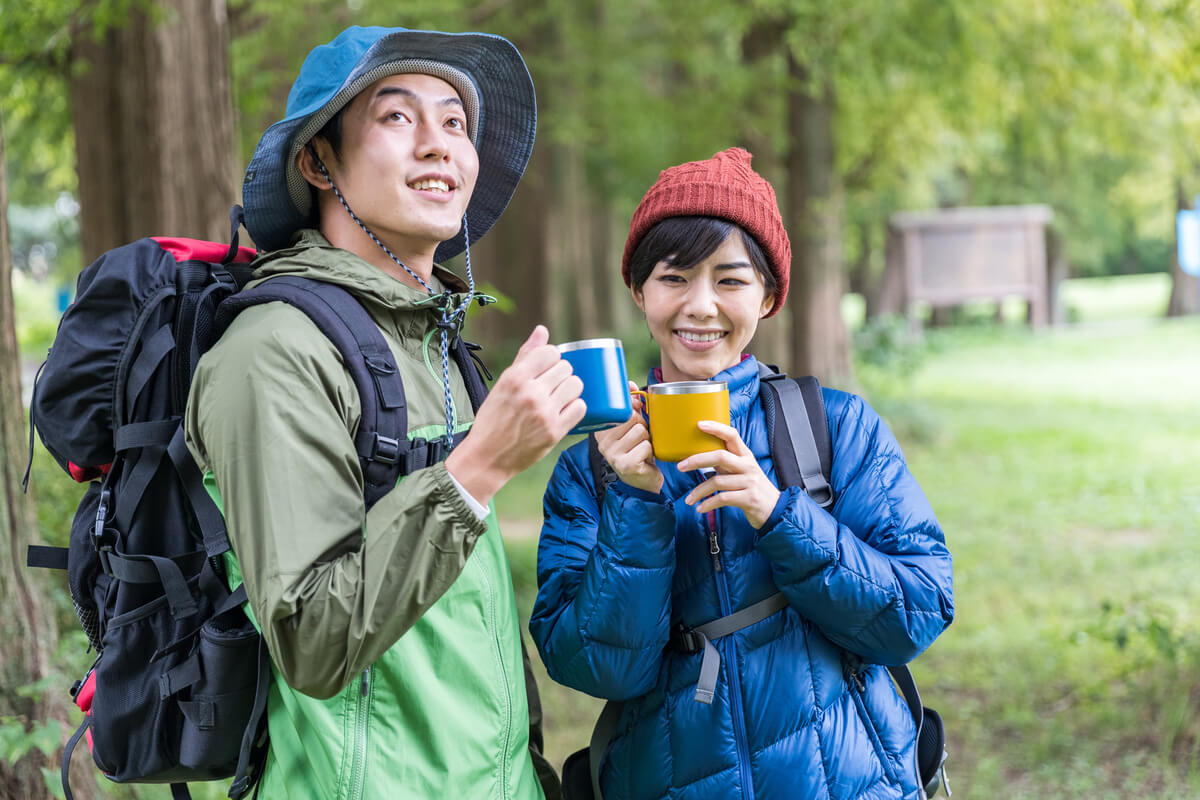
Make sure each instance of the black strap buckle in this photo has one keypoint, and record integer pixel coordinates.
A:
(102, 514)
(686, 640)
(105, 564)
(385, 450)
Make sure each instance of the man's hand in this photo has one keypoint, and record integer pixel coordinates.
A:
(739, 480)
(628, 451)
(532, 406)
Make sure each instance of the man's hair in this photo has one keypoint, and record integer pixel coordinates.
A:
(686, 241)
(331, 132)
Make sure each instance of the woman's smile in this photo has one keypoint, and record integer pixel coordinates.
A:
(704, 315)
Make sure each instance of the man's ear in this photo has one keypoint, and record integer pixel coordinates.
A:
(308, 165)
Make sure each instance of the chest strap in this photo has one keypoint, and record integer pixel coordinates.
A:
(700, 638)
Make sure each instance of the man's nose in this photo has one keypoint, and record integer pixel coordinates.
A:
(431, 141)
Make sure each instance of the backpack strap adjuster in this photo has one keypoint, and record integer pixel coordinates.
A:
(102, 553)
(686, 640)
(385, 450)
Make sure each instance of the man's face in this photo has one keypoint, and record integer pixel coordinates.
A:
(407, 166)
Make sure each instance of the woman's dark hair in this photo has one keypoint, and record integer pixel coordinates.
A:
(686, 241)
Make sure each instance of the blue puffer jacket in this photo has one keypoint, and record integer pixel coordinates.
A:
(802, 707)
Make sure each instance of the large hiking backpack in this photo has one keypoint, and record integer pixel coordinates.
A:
(802, 452)
(179, 686)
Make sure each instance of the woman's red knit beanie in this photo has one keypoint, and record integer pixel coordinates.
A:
(723, 186)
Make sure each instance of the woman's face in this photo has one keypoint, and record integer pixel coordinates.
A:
(703, 316)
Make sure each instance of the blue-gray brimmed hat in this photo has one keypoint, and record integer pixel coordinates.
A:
(492, 82)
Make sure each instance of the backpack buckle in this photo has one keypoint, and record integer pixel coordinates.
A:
(102, 554)
(101, 514)
(385, 450)
(686, 640)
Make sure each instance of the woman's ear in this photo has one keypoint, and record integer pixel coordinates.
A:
(767, 304)
(308, 165)
(638, 299)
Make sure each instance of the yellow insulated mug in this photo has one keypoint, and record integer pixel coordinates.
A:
(675, 408)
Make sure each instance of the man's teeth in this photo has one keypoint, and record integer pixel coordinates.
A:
(430, 185)
(700, 337)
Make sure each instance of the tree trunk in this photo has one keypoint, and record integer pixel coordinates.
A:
(1185, 289)
(762, 47)
(27, 629)
(820, 344)
(153, 117)
(521, 265)
(570, 240)
(888, 294)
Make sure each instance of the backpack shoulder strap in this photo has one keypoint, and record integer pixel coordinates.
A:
(381, 441)
(602, 473)
(466, 355)
(799, 432)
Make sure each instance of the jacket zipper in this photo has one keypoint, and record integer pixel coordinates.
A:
(362, 717)
(729, 658)
(498, 652)
(858, 691)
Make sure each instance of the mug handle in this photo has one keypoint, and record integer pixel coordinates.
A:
(645, 398)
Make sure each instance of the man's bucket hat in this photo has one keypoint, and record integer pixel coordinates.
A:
(489, 75)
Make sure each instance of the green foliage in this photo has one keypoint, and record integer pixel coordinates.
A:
(17, 738)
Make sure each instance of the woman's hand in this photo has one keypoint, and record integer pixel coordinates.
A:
(739, 481)
(627, 450)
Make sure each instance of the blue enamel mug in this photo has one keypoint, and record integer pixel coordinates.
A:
(600, 364)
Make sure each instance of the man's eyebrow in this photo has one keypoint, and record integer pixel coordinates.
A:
(411, 95)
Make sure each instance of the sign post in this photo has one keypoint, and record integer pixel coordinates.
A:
(1187, 238)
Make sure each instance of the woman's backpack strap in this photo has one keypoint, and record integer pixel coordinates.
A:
(801, 447)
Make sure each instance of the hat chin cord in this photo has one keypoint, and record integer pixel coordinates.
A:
(450, 319)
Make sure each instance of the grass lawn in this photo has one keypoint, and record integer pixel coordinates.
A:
(1065, 468)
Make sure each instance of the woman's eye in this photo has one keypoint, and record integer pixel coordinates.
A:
(455, 122)
(671, 278)
(398, 116)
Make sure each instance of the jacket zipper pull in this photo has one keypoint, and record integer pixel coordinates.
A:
(366, 682)
(714, 547)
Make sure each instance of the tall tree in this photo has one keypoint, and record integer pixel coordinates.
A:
(820, 345)
(153, 118)
(27, 629)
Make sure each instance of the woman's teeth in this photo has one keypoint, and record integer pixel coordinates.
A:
(699, 337)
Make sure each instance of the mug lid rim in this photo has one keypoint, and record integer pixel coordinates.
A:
(586, 344)
(687, 387)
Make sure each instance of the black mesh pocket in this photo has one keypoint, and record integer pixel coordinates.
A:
(218, 707)
(83, 564)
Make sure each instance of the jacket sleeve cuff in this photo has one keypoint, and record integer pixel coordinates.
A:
(481, 511)
(637, 494)
(786, 499)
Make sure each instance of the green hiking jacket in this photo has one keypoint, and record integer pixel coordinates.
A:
(393, 634)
